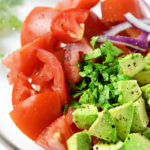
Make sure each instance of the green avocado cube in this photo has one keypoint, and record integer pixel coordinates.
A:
(147, 62)
(132, 64)
(136, 141)
(129, 91)
(146, 133)
(104, 127)
(123, 116)
(79, 141)
(140, 118)
(143, 77)
(85, 117)
(108, 146)
(146, 93)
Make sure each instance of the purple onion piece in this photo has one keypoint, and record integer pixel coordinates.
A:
(146, 4)
(143, 36)
(136, 23)
(123, 26)
(137, 44)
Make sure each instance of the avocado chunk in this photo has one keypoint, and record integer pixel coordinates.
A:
(140, 118)
(123, 116)
(146, 133)
(108, 146)
(136, 141)
(104, 127)
(129, 91)
(132, 64)
(79, 141)
(147, 62)
(143, 77)
(85, 117)
(146, 93)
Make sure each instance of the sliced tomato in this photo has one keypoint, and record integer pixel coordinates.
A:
(36, 113)
(21, 90)
(25, 59)
(113, 11)
(93, 26)
(133, 32)
(68, 26)
(37, 23)
(85, 4)
(72, 56)
(69, 116)
(54, 137)
(55, 70)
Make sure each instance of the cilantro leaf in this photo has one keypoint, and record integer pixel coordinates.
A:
(66, 107)
(93, 41)
(93, 54)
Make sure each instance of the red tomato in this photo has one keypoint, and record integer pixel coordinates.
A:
(85, 4)
(55, 69)
(113, 11)
(68, 26)
(54, 137)
(36, 113)
(25, 59)
(93, 26)
(37, 23)
(72, 56)
(69, 116)
(21, 90)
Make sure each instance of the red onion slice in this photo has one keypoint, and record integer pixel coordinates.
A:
(146, 4)
(137, 44)
(143, 36)
(123, 26)
(136, 23)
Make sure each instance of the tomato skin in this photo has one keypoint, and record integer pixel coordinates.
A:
(84, 4)
(36, 113)
(21, 90)
(72, 56)
(59, 84)
(54, 137)
(68, 26)
(93, 26)
(113, 11)
(37, 23)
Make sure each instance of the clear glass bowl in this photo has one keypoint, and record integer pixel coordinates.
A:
(10, 136)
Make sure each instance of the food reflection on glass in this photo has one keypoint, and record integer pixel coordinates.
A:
(82, 82)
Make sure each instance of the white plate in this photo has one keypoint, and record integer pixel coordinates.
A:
(8, 44)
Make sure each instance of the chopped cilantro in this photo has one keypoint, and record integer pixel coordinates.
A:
(66, 107)
(98, 83)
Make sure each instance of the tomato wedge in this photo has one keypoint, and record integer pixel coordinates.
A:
(85, 4)
(72, 56)
(54, 137)
(93, 26)
(113, 11)
(21, 90)
(37, 23)
(36, 113)
(68, 26)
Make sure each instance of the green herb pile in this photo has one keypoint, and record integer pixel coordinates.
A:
(99, 73)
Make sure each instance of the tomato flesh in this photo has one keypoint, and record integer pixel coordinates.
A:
(113, 11)
(37, 23)
(68, 26)
(54, 137)
(36, 113)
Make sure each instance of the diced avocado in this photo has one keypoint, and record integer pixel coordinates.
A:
(140, 118)
(136, 141)
(132, 64)
(79, 141)
(104, 127)
(84, 117)
(143, 77)
(146, 133)
(147, 62)
(123, 116)
(129, 91)
(146, 93)
(108, 146)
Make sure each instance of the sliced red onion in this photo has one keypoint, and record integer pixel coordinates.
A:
(127, 41)
(146, 4)
(143, 36)
(123, 26)
(136, 23)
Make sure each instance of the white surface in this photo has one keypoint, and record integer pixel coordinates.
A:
(8, 44)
